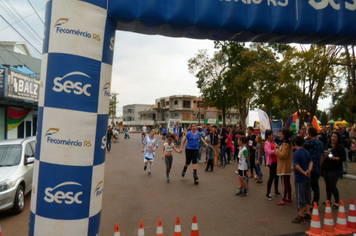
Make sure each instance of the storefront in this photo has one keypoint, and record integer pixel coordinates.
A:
(19, 93)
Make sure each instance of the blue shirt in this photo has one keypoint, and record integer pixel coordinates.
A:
(193, 140)
(301, 158)
(315, 147)
(164, 131)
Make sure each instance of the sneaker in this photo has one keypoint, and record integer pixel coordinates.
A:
(269, 197)
(277, 194)
(168, 180)
(149, 172)
(259, 182)
(211, 170)
(225, 167)
(239, 192)
(256, 177)
(237, 172)
(307, 217)
(183, 173)
(199, 162)
(298, 220)
(281, 203)
(145, 168)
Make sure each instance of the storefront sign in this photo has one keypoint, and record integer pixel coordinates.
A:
(2, 81)
(22, 87)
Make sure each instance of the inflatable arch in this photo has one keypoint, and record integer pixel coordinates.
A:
(76, 75)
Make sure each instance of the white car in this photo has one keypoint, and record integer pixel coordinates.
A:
(16, 168)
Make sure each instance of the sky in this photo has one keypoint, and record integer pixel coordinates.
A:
(145, 67)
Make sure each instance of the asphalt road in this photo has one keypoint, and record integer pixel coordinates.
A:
(130, 194)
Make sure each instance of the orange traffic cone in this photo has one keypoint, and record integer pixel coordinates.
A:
(177, 228)
(341, 223)
(117, 230)
(315, 227)
(329, 228)
(159, 231)
(195, 231)
(351, 219)
(141, 231)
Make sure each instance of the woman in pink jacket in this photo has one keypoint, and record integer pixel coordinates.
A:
(271, 159)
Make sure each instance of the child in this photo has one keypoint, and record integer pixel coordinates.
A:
(259, 152)
(149, 146)
(209, 157)
(303, 165)
(168, 155)
(243, 159)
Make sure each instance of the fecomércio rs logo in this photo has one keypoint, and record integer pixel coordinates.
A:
(64, 84)
(60, 28)
(49, 136)
(99, 189)
(106, 89)
(59, 195)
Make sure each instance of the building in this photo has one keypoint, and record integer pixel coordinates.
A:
(19, 91)
(137, 115)
(189, 109)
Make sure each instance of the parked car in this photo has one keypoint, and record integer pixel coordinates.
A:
(16, 168)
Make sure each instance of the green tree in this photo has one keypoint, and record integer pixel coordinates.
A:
(308, 75)
(211, 82)
(112, 106)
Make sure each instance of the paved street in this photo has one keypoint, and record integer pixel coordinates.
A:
(130, 194)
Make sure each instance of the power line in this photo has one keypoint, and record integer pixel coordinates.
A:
(18, 21)
(21, 35)
(21, 25)
(35, 11)
(10, 54)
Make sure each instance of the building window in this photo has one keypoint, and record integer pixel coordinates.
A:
(201, 116)
(167, 103)
(175, 102)
(175, 114)
(186, 104)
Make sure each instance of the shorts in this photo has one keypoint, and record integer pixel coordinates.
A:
(164, 134)
(146, 159)
(303, 192)
(242, 173)
(191, 155)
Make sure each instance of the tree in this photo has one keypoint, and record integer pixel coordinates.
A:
(112, 106)
(309, 75)
(211, 83)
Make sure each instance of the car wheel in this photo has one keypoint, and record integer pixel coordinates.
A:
(19, 203)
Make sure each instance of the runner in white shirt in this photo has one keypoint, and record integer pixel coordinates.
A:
(149, 146)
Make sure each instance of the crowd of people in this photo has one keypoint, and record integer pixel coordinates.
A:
(308, 155)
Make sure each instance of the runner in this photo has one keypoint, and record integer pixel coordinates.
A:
(109, 136)
(192, 150)
(143, 132)
(149, 146)
(167, 155)
(164, 133)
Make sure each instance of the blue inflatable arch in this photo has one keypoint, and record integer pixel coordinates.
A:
(76, 75)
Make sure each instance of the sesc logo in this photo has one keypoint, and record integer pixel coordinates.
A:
(61, 197)
(103, 142)
(99, 189)
(319, 5)
(106, 89)
(68, 86)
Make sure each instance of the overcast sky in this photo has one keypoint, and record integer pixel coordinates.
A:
(145, 67)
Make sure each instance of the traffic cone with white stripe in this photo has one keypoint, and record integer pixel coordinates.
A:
(177, 228)
(329, 227)
(315, 227)
(341, 223)
(351, 219)
(141, 230)
(117, 230)
(195, 231)
(159, 231)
